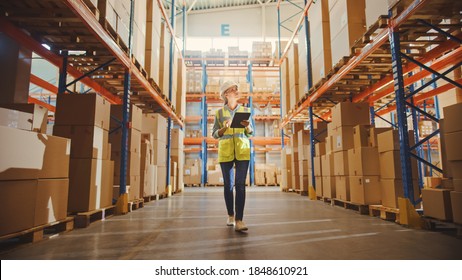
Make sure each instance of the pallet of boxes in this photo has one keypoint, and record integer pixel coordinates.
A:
(34, 174)
(442, 201)
(84, 118)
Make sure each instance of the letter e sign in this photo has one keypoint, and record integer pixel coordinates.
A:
(225, 30)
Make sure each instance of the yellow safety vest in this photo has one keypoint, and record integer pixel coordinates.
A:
(234, 144)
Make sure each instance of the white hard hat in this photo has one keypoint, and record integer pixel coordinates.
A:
(226, 85)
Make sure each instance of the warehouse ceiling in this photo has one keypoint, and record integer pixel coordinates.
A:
(201, 5)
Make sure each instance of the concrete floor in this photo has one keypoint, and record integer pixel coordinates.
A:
(192, 225)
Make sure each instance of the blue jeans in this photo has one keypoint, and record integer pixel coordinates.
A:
(239, 180)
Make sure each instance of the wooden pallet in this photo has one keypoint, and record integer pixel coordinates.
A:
(135, 204)
(41, 232)
(149, 198)
(442, 226)
(324, 199)
(361, 209)
(84, 219)
(385, 213)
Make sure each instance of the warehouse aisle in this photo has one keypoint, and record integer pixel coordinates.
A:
(191, 225)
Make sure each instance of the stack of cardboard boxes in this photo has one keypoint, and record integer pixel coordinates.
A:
(177, 157)
(154, 130)
(192, 172)
(391, 180)
(445, 202)
(214, 175)
(84, 118)
(34, 170)
(340, 138)
(295, 157)
(347, 20)
(133, 178)
(293, 69)
(286, 168)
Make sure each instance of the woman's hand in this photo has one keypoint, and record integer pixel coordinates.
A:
(245, 123)
(226, 125)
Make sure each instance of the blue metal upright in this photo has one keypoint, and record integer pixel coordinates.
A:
(252, 148)
(204, 121)
(170, 89)
(126, 110)
(401, 115)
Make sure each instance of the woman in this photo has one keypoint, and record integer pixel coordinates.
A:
(233, 150)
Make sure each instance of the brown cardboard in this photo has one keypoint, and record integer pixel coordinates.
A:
(388, 141)
(374, 131)
(155, 124)
(374, 9)
(390, 165)
(342, 188)
(456, 204)
(320, 148)
(134, 140)
(365, 190)
(133, 164)
(160, 153)
(452, 115)
(56, 157)
(177, 138)
(134, 188)
(107, 183)
(432, 182)
(452, 144)
(17, 212)
(343, 138)
(437, 204)
(456, 169)
(328, 186)
(319, 186)
(327, 165)
(341, 167)
(84, 184)
(162, 179)
(350, 114)
(317, 166)
(135, 116)
(39, 118)
(329, 144)
(86, 141)
(361, 136)
(391, 189)
(51, 201)
(69, 110)
(457, 185)
(215, 178)
(21, 154)
(364, 161)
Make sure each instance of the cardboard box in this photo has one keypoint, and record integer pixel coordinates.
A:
(134, 140)
(456, 169)
(457, 185)
(328, 186)
(365, 190)
(364, 161)
(361, 136)
(18, 211)
(86, 141)
(215, 178)
(388, 141)
(155, 124)
(56, 157)
(162, 179)
(452, 144)
(22, 154)
(343, 138)
(341, 167)
(327, 165)
(107, 183)
(319, 186)
(133, 164)
(134, 188)
(452, 115)
(350, 114)
(160, 153)
(69, 110)
(320, 148)
(39, 119)
(373, 133)
(329, 144)
(85, 177)
(375, 9)
(317, 166)
(432, 182)
(342, 188)
(148, 181)
(456, 204)
(135, 116)
(437, 204)
(177, 138)
(390, 165)
(391, 189)
(51, 201)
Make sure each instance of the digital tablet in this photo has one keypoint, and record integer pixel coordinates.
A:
(238, 118)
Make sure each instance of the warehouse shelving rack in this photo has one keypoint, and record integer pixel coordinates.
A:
(108, 66)
(414, 26)
(248, 98)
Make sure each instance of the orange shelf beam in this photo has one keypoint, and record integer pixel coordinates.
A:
(50, 108)
(43, 84)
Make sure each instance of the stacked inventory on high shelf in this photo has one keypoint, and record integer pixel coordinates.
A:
(258, 87)
(341, 74)
(118, 114)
